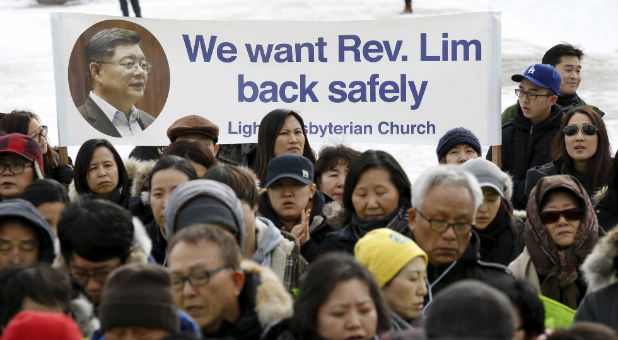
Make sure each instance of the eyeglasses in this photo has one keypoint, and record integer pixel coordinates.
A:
(196, 279)
(441, 226)
(569, 214)
(130, 65)
(42, 133)
(587, 129)
(99, 276)
(16, 168)
(531, 96)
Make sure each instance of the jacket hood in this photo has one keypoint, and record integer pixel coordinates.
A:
(272, 301)
(218, 191)
(599, 268)
(139, 173)
(25, 211)
(268, 237)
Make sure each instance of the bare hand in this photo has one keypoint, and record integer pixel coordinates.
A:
(301, 231)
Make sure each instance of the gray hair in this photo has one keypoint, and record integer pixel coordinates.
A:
(445, 175)
(102, 45)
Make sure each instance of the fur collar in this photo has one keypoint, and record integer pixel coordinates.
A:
(272, 301)
(335, 214)
(139, 174)
(599, 268)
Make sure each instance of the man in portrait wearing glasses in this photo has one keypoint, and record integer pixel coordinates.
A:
(444, 203)
(526, 139)
(96, 237)
(119, 71)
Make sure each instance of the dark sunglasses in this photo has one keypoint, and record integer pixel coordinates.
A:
(569, 214)
(587, 129)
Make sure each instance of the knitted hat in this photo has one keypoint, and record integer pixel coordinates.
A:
(193, 124)
(545, 76)
(139, 295)
(289, 166)
(385, 252)
(470, 309)
(457, 136)
(35, 325)
(489, 175)
(26, 147)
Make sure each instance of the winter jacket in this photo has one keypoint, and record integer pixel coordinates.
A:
(279, 251)
(468, 266)
(345, 238)
(62, 173)
(599, 269)
(557, 167)
(553, 271)
(24, 210)
(159, 243)
(503, 239)
(606, 207)
(188, 329)
(525, 146)
(566, 102)
(323, 219)
(263, 302)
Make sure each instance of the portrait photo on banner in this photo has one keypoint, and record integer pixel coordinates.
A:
(119, 77)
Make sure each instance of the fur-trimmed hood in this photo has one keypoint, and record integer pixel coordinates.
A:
(272, 301)
(599, 268)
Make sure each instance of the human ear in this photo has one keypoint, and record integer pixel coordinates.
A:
(411, 218)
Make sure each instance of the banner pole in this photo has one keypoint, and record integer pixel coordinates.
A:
(496, 155)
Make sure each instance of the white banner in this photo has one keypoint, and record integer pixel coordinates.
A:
(384, 81)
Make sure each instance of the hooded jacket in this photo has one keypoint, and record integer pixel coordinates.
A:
(600, 271)
(525, 146)
(263, 302)
(280, 251)
(468, 266)
(566, 101)
(323, 219)
(186, 192)
(25, 211)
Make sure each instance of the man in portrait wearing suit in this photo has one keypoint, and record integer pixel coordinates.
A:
(119, 71)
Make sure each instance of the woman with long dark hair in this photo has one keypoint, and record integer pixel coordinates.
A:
(281, 131)
(100, 173)
(581, 149)
(377, 194)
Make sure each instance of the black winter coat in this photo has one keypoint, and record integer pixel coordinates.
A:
(600, 306)
(525, 146)
(469, 266)
(503, 239)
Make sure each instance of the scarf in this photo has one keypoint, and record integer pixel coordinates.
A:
(396, 220)
(499, 238)
(557, 266)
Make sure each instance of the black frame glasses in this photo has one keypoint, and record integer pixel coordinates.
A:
(587, 129)
(441, 226)
(532, 96)
(554, 215)
(196, 279)
(16, 168)
(84, 276)
(42, 133)
(130, 65)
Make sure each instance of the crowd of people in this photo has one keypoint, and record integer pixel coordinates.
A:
(194, 240)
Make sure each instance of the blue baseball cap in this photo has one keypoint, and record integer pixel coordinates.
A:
(289, 166)
(541, 75)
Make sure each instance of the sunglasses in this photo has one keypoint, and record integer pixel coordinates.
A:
(569, 214)
(587, 129)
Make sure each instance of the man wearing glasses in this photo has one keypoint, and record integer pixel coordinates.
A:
(118, 71)
(96, 237)
(226, 299)
(444, 204)
(526, 139)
